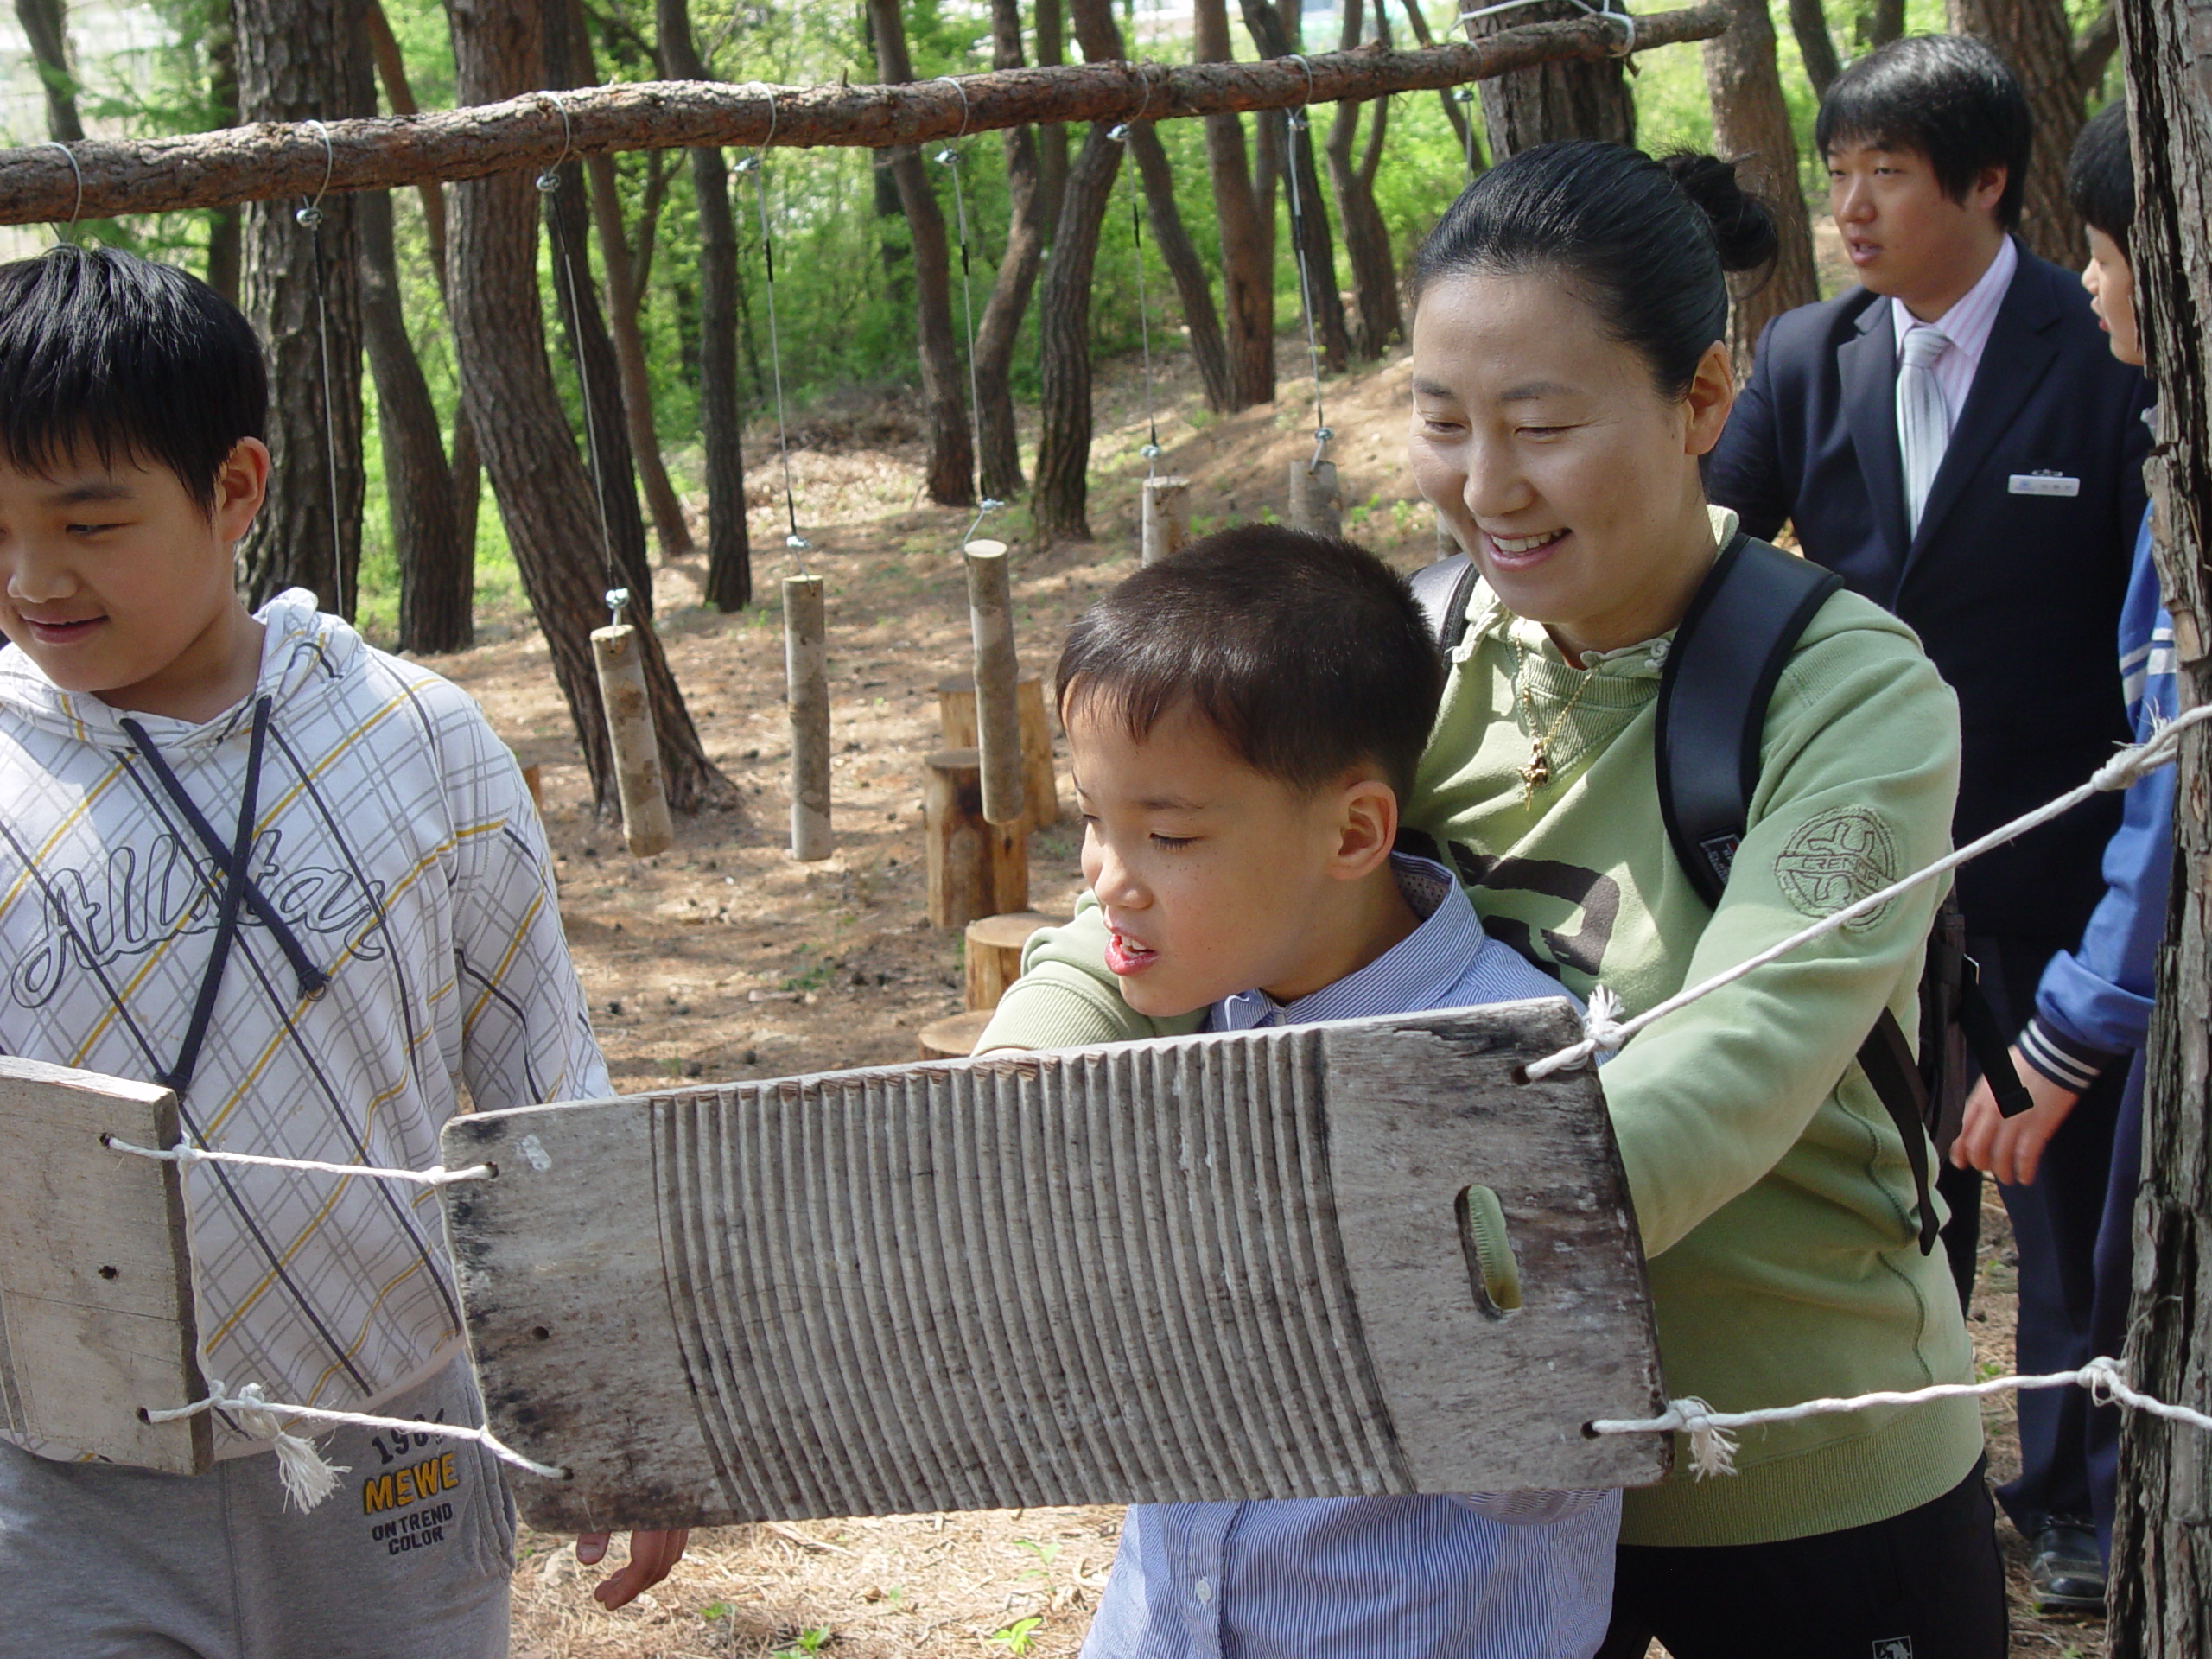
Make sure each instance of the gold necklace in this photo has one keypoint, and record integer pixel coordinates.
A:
(1538, 771)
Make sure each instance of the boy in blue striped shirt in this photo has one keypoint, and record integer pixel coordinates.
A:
(1244, 719)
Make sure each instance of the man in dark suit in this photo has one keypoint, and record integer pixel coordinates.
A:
(1955, 439)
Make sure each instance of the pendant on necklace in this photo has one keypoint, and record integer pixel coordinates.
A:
(1534, 775)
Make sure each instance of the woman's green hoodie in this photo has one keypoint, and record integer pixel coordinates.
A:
(1772, 1191)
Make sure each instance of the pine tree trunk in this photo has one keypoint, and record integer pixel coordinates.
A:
(999, 326)
(951, 476)
(226, 225)
(1884, 23)
(46, 26)
(437, 570)
(2035, 38)
(1275, 29)
(1809, 22)
(1570, 98)
(500, 331)
(1248, 289)
(1209, 350)
(1052, 140)
(1751, 123)
(467, 468)
(1376, 318)
(2161, 1588)
(624, 301)
(721, 427)
(606, 429)
(301, 60)
(1060, 501)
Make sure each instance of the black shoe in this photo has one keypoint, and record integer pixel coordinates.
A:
(2065, 1574)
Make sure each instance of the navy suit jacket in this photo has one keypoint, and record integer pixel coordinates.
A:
(2015, 592)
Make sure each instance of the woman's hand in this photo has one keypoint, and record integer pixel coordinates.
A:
(2010, 1148)
(653, 1556)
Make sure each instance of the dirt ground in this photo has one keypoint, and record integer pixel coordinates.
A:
(722, 959)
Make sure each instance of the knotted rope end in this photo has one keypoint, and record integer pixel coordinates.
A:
(1712, 1448)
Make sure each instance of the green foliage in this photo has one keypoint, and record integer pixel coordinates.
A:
(804, 1643)
(1016, 1637)
(842, 261)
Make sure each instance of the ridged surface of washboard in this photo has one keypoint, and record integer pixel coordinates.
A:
(1231, 1265)
(1121, 1276)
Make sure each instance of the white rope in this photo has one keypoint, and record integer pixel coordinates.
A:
(1600, 1031)
(308, 1477)
(184, 1157)
(1604, 10)
(1713, 1443)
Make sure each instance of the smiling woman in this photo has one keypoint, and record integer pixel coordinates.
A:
(1568, 374)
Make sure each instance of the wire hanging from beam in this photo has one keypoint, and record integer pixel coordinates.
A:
(950, 158)
(753, 164)
(1119, 132)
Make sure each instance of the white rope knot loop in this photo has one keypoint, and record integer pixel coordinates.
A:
(2161, 748)
(1712, 1448)
(307, 1476)
(1602, 1032)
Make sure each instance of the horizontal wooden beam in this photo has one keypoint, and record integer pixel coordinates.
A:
(213, 170)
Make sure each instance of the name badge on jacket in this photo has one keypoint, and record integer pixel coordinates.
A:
(2044, 484)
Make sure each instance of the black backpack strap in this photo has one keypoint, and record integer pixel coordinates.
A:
(1728, 655)
(1442, 590)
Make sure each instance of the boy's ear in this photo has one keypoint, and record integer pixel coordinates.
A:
(241, 486)
(1367, 828)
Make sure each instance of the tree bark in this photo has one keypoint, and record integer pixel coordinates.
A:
(1376, 318)
(1561, 99)
(466, 465)
(46, 26)
(437, 569)
(245, 164)
(1247, 288)
(722, 429)
(624, 298)
(500, 333)
(2160, 1598)
(606, 428)
(951, 479)
(1058, 504)
(1177, 252)
(1052, 139)
(1883, 21)
(1809, 22)
(1000, 324)
(2035, 38)
(1750, 125)
(1275, 28)
(226, 225)
(297, 60)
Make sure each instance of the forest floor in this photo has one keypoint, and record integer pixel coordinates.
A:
(722, 959)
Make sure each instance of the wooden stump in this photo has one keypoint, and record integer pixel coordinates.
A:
(806, 672)
(646, 826)
(998, 724)
(1316, 502)
(954, 1037)
(994, 954)
(1040, 787)
(1166, 516)
(975, 867)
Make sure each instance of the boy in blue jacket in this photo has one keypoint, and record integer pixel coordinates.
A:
(2092, 1006)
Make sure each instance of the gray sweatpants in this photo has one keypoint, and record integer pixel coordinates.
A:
(407, 1559)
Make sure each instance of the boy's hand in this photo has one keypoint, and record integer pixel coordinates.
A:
(2010, 1148)
(653, 1556)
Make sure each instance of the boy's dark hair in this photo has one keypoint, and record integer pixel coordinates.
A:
(2100, 175)
(1307, 654)
(133, 360)
(1947, 95)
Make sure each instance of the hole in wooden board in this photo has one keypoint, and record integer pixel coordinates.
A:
(1492, 1272)
(540, 1332)
(107, 1272)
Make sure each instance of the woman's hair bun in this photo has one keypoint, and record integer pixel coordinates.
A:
(1743, 226)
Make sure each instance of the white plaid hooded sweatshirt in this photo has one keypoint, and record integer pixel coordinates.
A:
(395, 850)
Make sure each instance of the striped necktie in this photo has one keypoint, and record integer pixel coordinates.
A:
(1924, 422)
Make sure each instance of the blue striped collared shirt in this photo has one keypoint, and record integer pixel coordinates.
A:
(1514, 1575)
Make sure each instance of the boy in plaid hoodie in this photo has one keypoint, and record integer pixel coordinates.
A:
(298, 881)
